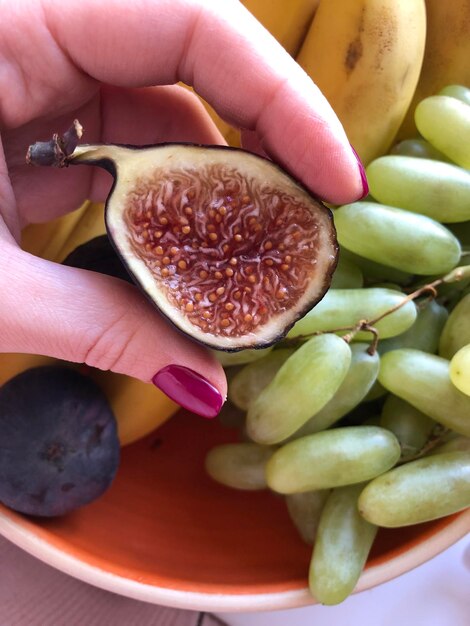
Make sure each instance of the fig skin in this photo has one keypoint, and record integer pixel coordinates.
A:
(192, 283)
(98, 255)
(61, 449)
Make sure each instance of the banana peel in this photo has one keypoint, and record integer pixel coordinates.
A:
(90, 225)
(12, 364)
(139, 407)
(446, 56)
(46, 240)
(228, 132)
(366, 57)
(288, 22)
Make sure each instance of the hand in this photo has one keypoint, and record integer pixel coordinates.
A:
(95, 61)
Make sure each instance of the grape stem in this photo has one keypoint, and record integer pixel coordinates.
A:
(456, 275)
(437, 436)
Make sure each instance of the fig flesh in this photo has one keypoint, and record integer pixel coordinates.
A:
(227, 245)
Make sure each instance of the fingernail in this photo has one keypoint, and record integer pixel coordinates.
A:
(362, 172)
(189, 389)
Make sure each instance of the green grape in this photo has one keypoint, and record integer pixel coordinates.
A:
(457, 443)
(451, 293)
(456, 332)
(343, 542)
(412, 428)
(439, 190)
(456, 91)
(345, 307)
(304, 510)
(305, 383)
(445, 122)
(419, 148)
(231, 416)
(393, 286)
(373, 420)
(419, 491)
(423, 380)
(248, 383)
(376, 272)
(408, 241)
(460, 369)
(462, 231)
(361, 376)
(424, 334)
(347, 275)
(376, 391)
(332, 458)
(454, 297)
(232, 359)
(239, 465)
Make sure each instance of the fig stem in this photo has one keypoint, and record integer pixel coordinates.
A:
(63, 150)
(56, 152)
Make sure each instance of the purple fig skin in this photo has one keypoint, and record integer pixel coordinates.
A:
(61, 449)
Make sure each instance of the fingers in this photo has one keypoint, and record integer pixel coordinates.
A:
(9, 223)
(149, 116)
(90, 318)
(224, 53)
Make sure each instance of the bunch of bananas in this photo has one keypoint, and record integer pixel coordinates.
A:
(373, 59)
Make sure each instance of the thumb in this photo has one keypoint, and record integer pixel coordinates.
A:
(86, 317)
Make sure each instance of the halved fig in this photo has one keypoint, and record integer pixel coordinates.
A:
(226, 244)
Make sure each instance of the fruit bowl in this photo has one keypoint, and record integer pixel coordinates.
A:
(166, 533)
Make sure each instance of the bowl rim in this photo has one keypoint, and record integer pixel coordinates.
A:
(375, 574)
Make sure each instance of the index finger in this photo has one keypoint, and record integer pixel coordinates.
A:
(229, 58)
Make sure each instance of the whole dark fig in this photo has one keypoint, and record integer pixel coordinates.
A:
(59, 448)
(228, 246)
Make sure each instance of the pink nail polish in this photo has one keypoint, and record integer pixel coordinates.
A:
(362, 172)
(189, 389)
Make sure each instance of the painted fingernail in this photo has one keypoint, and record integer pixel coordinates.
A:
(189, 389)
(362, 172)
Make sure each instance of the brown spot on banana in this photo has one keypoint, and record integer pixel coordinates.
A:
(355, 48)
(353, 54)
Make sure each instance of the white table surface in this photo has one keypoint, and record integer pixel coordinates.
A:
(435, 594)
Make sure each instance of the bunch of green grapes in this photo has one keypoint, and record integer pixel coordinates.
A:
(361, 416)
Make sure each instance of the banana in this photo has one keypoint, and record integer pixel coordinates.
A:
(139, 407)
(45, 240)
(288, 21)
(446, 55)
(229, 133)
(90, 225)
(366, 57)
(12, 364)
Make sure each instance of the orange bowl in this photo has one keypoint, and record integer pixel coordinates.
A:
(166, 533)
